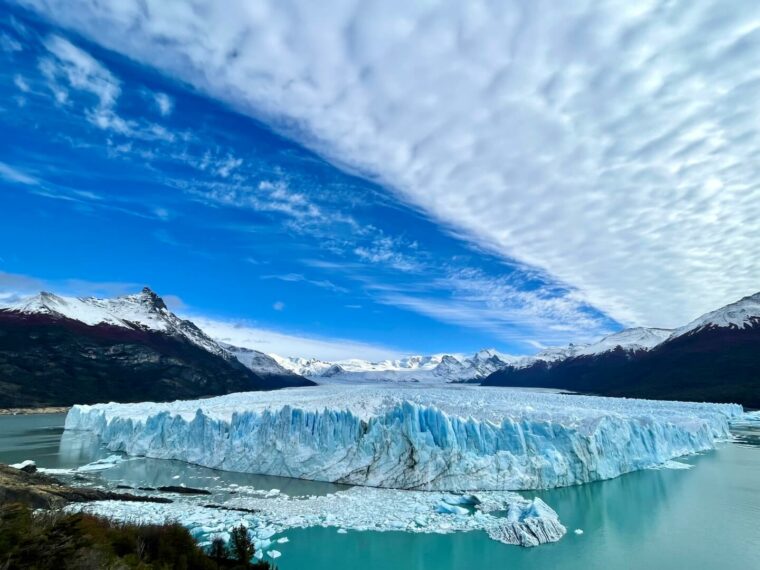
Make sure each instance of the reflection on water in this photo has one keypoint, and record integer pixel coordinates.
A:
(144, 472)
(703, 518)
(748, 435)
(38, 436)
(79, 448)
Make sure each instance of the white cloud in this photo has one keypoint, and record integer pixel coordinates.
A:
(69, 67)
(278, 306)
(80, 70)
(612, 144)
(274, 197)
(390, 251)
(21, 84)
(164, 103)
(269, 341)
(12, 174)
(503, 307)
(9, 44)
(298, 278)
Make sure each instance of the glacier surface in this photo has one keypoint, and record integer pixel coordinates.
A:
(451, 437)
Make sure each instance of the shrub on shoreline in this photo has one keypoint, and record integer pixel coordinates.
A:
(56, 540)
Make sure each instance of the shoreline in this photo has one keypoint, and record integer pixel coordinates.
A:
(31, 411)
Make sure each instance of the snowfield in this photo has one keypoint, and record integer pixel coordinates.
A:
(446, 438)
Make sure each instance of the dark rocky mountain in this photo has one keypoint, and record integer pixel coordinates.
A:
(62, 351)
(715, 358)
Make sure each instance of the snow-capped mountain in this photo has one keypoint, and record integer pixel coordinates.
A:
(302, 366)
(633, 339)
(141, 311)
(436, 368)
(714, 358)
(259, 362)
(58, 350)
(744, 313)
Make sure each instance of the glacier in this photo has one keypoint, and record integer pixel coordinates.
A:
(446, 438)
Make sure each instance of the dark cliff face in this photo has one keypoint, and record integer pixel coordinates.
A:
(47, 360)
(714, 364)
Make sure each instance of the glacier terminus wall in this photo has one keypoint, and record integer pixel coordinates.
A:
(448, 438)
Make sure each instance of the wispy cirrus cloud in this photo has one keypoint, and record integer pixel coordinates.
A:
(298, 278)
(503, 306)
(12, 174)
(67, 67)
(245, 334)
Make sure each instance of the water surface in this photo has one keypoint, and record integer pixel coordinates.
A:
(707, 517)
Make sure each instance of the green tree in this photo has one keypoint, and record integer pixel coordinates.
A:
(218, 550)
(242, 545)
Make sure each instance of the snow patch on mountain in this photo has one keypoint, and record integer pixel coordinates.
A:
(450, 437)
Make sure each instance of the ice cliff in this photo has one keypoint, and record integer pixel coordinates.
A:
(445, 438)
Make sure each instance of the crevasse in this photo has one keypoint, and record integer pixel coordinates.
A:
(452, 438)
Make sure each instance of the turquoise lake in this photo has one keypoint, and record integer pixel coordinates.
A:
(707, 517)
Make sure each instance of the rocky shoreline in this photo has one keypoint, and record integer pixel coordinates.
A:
(40, 491)
(37, 410)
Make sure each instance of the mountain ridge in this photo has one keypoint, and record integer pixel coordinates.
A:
(715, 357)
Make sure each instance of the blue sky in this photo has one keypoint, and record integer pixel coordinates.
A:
(128, 160)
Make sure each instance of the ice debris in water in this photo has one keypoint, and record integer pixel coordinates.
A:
(98, 465)
(678, 465)
(444, 438)
(26, 465)
(505, 516)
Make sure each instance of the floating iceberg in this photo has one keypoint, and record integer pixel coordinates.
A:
(452, 438)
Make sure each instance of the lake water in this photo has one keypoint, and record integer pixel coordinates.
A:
(707, 517)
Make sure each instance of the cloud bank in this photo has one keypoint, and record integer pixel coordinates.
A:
(269, 341)
(611, 144)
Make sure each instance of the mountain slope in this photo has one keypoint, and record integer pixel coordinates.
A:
(631, 340)
(62, 350)
(262, 364)
(715, 358)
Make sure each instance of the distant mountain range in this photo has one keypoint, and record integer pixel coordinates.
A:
(64, 350)
(714, 358)
(432, 369)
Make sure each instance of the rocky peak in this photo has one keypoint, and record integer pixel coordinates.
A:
(152, 299)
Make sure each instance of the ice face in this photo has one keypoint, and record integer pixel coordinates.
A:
(445, 438)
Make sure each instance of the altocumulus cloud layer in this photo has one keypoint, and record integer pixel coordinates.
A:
(612, 144)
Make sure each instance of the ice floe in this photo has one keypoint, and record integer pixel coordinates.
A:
(505, 516)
